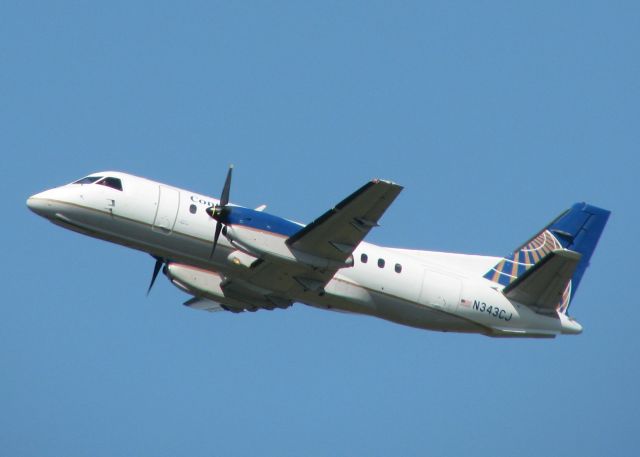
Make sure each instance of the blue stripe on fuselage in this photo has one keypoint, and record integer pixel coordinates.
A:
(262, 221)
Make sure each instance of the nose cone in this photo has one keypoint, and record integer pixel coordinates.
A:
(41, 204)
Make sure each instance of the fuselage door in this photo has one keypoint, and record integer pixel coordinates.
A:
(168, 204)
(440, 291)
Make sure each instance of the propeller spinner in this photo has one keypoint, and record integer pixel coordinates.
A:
(219, 211)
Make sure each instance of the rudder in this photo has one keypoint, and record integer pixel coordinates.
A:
(579, 229)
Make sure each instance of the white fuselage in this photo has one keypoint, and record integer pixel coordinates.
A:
(431, 290)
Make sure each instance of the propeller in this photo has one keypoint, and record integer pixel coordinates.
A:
(219, 211)
(156, 270)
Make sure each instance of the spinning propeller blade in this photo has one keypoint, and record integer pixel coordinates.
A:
(156, 270)
(224, 198)
(215, 239)
(216, 211)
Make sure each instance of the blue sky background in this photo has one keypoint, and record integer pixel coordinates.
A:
(495, 116)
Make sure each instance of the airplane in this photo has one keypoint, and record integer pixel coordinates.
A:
(263, 261)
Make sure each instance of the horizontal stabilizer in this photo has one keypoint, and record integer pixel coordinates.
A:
(543, 285)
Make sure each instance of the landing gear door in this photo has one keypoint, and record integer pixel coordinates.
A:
(440, 291)
(167, 211)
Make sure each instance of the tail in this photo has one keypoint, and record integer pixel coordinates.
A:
(578, 229)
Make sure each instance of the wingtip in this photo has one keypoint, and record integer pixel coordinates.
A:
(386, 181)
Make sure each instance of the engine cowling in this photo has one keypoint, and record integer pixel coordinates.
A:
(274, 247)
(232, 295)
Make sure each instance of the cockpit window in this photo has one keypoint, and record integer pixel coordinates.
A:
(114, 183)
(87, 180)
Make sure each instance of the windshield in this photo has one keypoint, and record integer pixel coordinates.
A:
(87, 180)
(108, 181)
(114, 183)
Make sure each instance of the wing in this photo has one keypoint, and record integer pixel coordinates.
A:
(542, 286)
(336, 233)
(262, 283)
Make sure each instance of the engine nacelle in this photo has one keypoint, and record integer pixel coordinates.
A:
(233, 296)
(197, 282)
(274, 247)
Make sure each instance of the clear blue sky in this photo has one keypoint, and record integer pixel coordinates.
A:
(495, 116)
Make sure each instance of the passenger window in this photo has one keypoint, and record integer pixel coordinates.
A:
(398, 268)
(193, 209)
(381, 263)
(364, 258)
(114, 183)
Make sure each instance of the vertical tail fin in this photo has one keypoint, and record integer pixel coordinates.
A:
(577, 229)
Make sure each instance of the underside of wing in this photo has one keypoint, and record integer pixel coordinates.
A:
(542, 286)
(336, 233)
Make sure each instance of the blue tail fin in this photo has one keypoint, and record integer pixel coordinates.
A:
(577, 229)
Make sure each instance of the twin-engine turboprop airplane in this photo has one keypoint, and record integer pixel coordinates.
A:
(263, 261)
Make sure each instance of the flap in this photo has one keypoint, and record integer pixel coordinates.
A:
(336, 233)
(543, 285)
